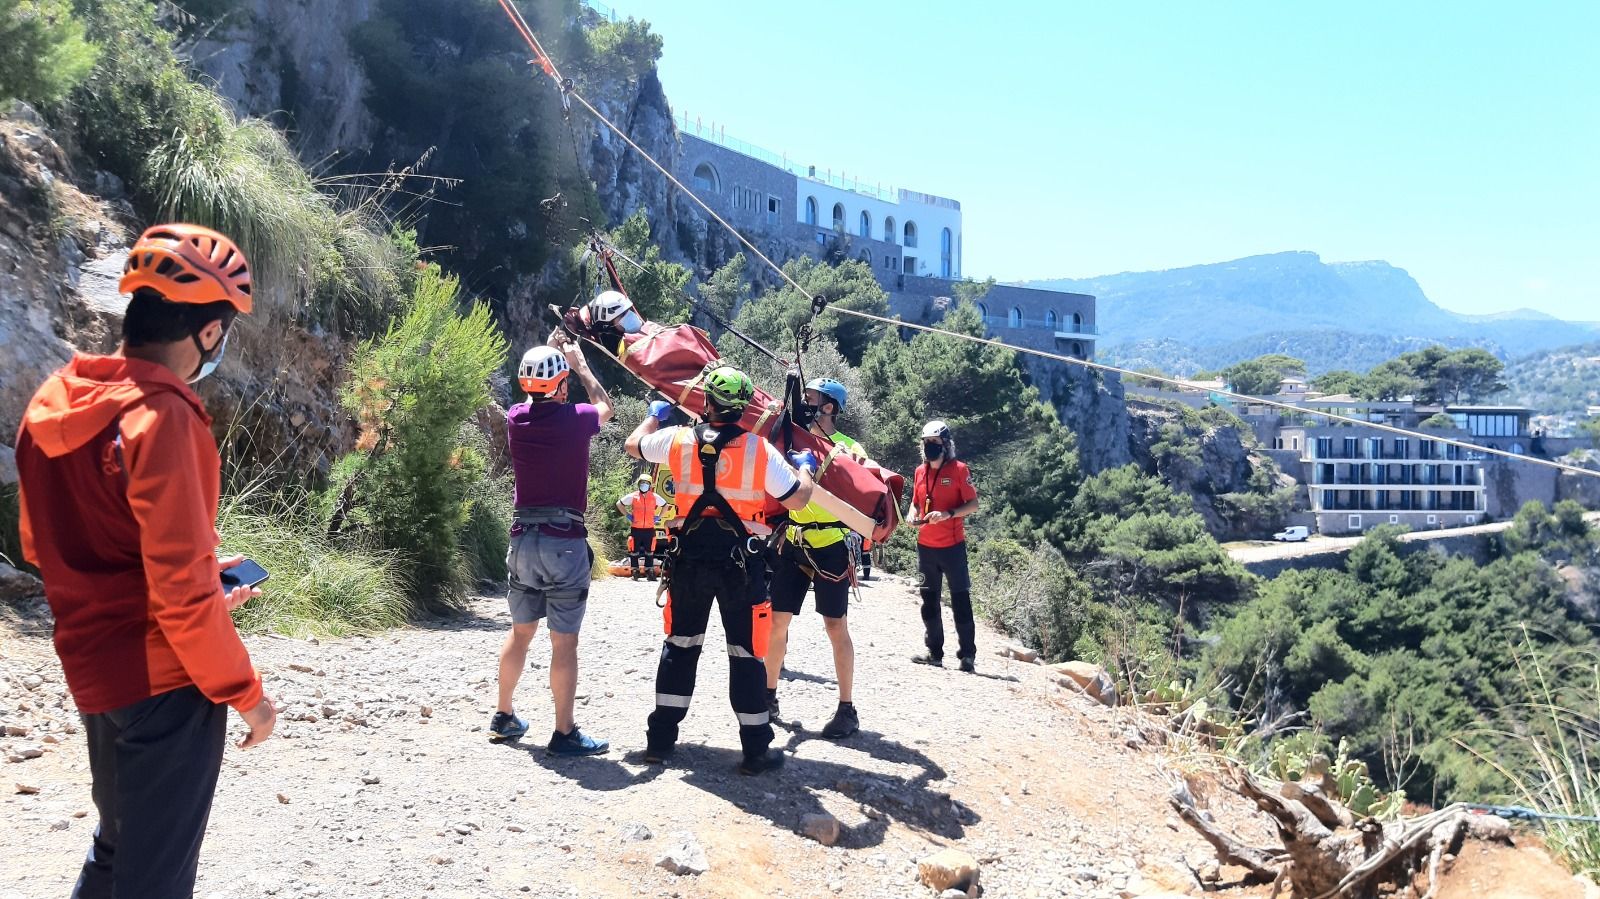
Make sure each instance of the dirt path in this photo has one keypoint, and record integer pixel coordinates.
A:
(381, 782)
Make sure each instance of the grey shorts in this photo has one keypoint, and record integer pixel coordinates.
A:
(549, 578)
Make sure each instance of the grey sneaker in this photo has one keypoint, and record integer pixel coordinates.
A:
(969, 664)
(576, 743)
(928, 658)
(505, 727)
(844, 722)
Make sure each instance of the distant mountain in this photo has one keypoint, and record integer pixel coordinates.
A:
(1563, 381)
(1342, 312)
(1323, 350)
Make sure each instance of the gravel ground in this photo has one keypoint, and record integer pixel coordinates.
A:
(381, 782)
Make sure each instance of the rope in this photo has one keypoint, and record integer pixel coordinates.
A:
(1178, 382)
(549, 68)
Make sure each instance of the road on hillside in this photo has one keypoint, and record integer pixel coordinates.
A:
(1270, 550)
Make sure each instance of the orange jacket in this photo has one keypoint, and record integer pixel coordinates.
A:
(119, 478)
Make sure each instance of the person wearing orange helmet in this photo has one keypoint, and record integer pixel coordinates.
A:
(119, 478)
(550, 559)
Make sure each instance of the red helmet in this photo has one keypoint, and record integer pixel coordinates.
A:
(188, 264)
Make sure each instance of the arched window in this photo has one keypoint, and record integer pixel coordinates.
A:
(811, 210)
(866, 225)
(983, 310)
(705, 178)
(1050, 319)
(911, 234)
(1077, 323)
(1077, 349)
(838, 216)
(1014, 320)
(889, 234)
(946, 258)
(865, 256)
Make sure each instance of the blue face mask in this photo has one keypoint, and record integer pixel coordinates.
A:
(210, 365)
(630, 322)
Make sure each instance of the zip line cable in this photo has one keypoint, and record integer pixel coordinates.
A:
(547, 65)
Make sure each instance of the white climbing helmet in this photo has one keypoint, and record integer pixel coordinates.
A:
(614, 307)
(542, 370)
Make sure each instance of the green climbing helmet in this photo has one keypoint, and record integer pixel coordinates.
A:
(729, 388)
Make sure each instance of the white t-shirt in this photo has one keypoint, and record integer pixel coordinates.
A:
(781, 479)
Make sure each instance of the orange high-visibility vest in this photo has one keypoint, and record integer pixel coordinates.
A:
(741, 475)
(644, 509)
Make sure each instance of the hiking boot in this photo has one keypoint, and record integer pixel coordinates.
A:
(657, 756)
(928, 658)
(770, 760)
(505, 726)
(969, 664)
(576, 743)
(772, 704)
(844, 722)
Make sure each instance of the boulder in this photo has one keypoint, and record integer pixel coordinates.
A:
(824, 828)
(18, 585)
(1087, 677)
(684, 855)
(1018, 652)
(949, 869)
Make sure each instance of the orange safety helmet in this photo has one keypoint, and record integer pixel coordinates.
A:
(188, 264)
(542, 370)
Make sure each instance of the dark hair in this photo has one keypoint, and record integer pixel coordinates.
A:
(152, 319)
(721, 414)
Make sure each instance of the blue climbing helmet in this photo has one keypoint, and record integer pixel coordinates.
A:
(830, 388)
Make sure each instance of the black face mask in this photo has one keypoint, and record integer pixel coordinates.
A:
(933, 452)
(806, 414)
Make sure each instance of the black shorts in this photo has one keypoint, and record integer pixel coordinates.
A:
(790, 581)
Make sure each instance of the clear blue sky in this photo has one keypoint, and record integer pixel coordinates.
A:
(1459, 141)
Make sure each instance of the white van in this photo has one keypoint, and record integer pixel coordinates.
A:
(1293, 535)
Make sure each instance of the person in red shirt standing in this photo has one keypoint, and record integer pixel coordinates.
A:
(941, 496)
(119, 480)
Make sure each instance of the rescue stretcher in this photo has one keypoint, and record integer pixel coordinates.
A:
(674, 360)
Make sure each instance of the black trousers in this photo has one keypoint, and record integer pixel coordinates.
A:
(936, 565)
(155, 766)
(642, 538)
(705, 572)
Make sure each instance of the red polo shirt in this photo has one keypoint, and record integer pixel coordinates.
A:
(942, 490)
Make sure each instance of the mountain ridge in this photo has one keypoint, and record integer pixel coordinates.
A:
(1296, 292)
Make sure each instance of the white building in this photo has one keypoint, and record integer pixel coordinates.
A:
(927, 228)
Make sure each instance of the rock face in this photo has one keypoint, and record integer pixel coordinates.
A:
(49, 232)
(291, 56)
(1093, 406)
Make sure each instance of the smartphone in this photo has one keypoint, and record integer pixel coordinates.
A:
(245, 574)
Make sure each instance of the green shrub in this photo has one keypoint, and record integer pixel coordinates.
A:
(317, 586)
(11, 527)
(177, 144)
(43, 50)
(487, 535)
(410, 483)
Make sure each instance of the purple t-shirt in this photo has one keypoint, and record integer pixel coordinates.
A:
(550, 456)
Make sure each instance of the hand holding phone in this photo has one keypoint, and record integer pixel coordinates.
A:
(240, 576)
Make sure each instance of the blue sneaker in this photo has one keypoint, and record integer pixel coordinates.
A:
(506, 727)
(576, 743)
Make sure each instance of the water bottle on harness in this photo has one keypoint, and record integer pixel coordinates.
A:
(709, 442)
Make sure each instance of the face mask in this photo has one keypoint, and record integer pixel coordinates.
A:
(805, 415)
(932, 451)
(210, 361)
(630, 322)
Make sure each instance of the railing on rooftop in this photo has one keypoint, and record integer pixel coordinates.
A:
(605, 11)
(1066, 328)
(719, 135)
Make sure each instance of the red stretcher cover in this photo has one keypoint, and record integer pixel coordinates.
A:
(674, 360)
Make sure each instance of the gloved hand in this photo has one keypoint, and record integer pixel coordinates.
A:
(805, 460)
(660, 410)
